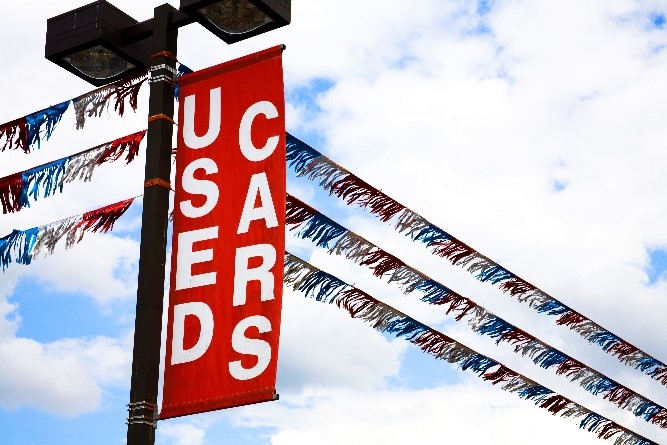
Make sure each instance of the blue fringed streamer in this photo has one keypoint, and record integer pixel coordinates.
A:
(495, 327)
(299, 154)
(592, 421)
(49, 177)
(495, 274)
(478, 363)
(600, 385)
(404, 327)
(321, 230)
(605, 339)
(51, 116)
(647, 410)
(6, 244)
(431, 235)
(321, 286)
(535, 392)
(20, 241)
(34, 122)
(549, 358)
(553, 307)
(180, 71)
(648, 363)
(434, 292)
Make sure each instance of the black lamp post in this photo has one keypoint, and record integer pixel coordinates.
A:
(100, 43)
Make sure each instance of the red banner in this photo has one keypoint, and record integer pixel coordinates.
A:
(229, 237)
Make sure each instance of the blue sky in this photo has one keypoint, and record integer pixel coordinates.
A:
(533, 131)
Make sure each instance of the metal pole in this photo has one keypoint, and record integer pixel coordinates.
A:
(142, 409)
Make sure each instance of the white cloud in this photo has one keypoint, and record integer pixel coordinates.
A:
(64, 377)
(322, 347)
(180, 434)
(434, 415)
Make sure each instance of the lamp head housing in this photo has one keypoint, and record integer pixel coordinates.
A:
(89, 42)
(236, 20)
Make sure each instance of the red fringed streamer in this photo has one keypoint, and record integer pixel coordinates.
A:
(555, 403)
(297, 212)
(103, 219)
(460, 303)
(609, 429)
(126, 89)
(432, 342)
(381, 205)
(15, 134)
(381, 262)
(660, 418)
(622, 349)
(517, 286)
(569, 367)
(515, 337)
(10, 192)
(354, 301)
(129, 144)
(571, 319)
(661, 375)
(453, 249)
(619, 395)
(353, 189)
(501, 374)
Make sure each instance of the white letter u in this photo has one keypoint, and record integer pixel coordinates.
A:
(215, 110)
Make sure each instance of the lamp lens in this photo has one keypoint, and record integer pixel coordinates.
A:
(235, 16)
(98, 62)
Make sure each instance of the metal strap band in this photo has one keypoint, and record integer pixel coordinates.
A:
(161, 116)
(166, 54)
(161, 78)
(163, 66)
(149, 418)
(157, 181)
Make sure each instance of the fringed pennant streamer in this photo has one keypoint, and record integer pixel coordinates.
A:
(386, 319)
(553, 307)
(103, 219)
(381, 262)
(555, 403)
(48, 118)
(15, 134)
(308, 162)
(17, 190)
(17, 246)
(92, 104)
(47, 178)
(500, 375)
(181, 70)
(10, 192)
(22, 246)
(127, 144)
(353, 190)
(51, 234)
(352, 246)
(318, 227)
(298, 153)
(128, 89)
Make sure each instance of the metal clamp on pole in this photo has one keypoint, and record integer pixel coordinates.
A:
(142, 412)
(157, 77)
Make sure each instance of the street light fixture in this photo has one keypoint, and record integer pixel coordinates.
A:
(89, 42)
(236, 20)
(101, 44)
